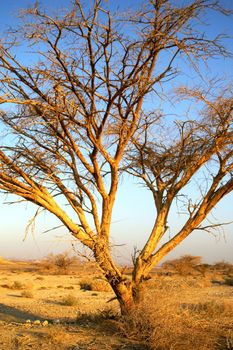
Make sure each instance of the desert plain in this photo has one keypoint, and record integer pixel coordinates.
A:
(46, 307)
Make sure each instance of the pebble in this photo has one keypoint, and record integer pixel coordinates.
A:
(56, 321)
(37, 322)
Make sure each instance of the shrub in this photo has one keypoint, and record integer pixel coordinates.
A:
(85, 284)
(162, 324)
(223, 266)
(186, 265)
(27, 294)
(100, 285)
(210, 308)
(69, 300)
(59, 263)
(229, 281)
(96, 285)
(16, 285)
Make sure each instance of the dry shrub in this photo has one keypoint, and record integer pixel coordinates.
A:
(226, 342)
(18, 285)
(162, 324)
(59, 263)
(223, 267)
(69, 300)
(100, 285)
(27, 294)
(186, 265)
(210, 309)
(229, 281)
(177, 283)
(95, 285)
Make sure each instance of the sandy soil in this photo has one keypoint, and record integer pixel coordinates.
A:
(82, 326)
(79, 327)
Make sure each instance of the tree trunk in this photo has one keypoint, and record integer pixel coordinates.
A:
(128, 295)
(123, 291)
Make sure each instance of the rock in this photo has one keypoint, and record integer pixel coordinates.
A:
(37, 322)
(45, 323)
(56, 321)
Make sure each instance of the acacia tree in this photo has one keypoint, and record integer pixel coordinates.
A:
(78, 122)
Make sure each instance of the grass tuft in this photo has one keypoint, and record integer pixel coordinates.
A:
(27, 294)
(69, 300)
(95, 285)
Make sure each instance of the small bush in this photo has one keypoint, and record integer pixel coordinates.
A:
(16, 285)
(85, 285)
(59, 263)
(223, 266)
(162, 324)
(96, 285)
(226, 341)
(69, 300)
(186, 265)
(229, 281)
(100, 285)
(27, 294)
(210, 308)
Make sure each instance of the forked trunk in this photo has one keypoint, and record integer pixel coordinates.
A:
(128, 296)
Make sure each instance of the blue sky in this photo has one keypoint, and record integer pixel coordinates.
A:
(133, 215)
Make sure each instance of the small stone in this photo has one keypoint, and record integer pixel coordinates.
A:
(45, 323)
(36, 322)
(56, 321)
(28, 321)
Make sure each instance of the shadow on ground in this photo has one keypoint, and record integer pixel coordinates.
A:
(12, 314)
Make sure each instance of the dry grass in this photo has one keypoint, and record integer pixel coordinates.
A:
(27, 294)
(69, 300)
(163, 322)
(229, 281)
(17, 285)
(179, 312)
(95, 285)
(223, 267)
(57, 264)
(184, 266)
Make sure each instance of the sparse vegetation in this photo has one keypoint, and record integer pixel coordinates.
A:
(185, 265)
(17, 285)
(69, 300)
(229, 281)
(60, 263)
(223, 267)
(161, 324)
(178, 313)
(27, 294)
(95, 285)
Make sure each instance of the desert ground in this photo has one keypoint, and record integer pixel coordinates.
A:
(44, 306)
